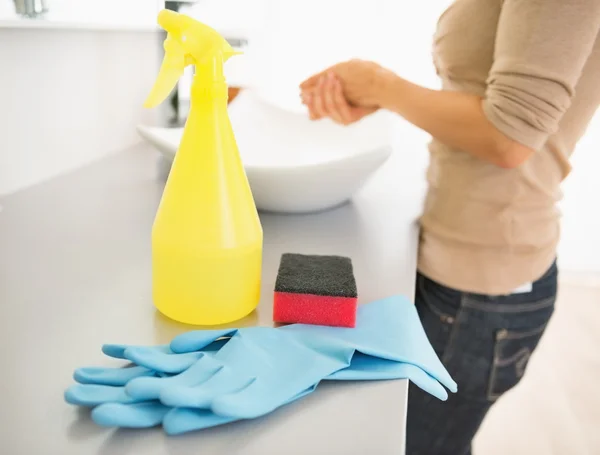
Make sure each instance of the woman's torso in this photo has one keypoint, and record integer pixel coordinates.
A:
(486, 229)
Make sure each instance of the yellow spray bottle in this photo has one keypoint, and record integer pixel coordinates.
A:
(207, 237)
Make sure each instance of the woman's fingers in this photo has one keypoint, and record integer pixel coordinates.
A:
(306, 97)
(313, 81)
(318, 109)
(310, 82)
(341, 105)
(308, 100)
(326, 99)
(331, 100)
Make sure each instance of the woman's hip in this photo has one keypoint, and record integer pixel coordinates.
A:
(486, 341)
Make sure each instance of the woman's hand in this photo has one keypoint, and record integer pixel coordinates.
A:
(350, 90)
(345, 92)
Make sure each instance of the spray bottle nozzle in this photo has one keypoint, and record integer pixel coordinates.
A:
(188, 42)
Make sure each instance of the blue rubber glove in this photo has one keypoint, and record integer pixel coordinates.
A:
(112, 410)
(387, 330)
(378, 323)
(99, 385)
(174, 421)
(260, 368)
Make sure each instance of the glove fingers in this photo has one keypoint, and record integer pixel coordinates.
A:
(183, 420)
(367, 368)
(425, 382)
(201, 396)
(248, 403)
(110, 376)
(94, 395)
(117, 351)
(161, 361)
(198, 339)
(151, 388)
(139, 415)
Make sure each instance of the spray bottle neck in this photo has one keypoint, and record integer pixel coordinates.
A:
(209, 80)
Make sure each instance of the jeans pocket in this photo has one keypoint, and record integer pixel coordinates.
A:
(512, 351)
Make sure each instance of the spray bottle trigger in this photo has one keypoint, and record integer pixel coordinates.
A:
(171, 69)
(168, 76)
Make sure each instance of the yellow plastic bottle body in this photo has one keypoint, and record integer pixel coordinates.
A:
(207, 238)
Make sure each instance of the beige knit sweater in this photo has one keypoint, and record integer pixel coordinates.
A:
(537, 64)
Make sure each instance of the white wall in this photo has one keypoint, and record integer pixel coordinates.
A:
(69, 97)
(140, 11)
(133, 12)
(580, 246)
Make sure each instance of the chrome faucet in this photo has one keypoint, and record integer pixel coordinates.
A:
(31, 8)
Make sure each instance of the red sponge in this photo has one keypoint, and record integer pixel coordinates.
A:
(315, 289)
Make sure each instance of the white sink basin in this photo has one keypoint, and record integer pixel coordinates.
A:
(293, 164)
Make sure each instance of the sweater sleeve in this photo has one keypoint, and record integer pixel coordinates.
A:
(540, 51)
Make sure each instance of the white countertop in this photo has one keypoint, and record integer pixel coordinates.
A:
(75, 270)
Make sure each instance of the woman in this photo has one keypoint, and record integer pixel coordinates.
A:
(520, 82)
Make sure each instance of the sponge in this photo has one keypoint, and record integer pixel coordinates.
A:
(315, 289)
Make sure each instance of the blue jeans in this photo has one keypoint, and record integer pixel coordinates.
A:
(485, 342)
